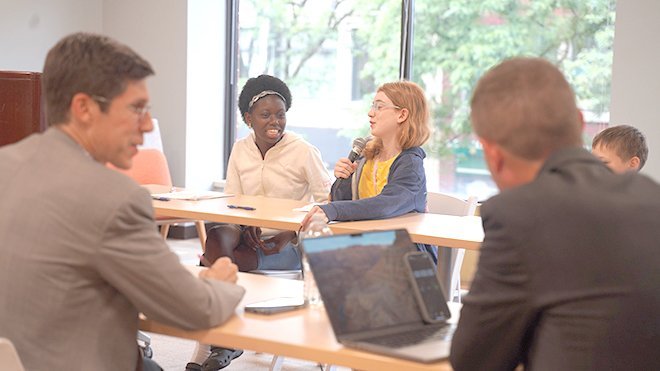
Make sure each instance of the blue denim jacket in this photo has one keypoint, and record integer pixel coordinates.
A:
(404, 192)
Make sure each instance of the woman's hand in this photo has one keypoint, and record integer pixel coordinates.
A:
(275, 244)
(308, 218)
(252, 237)
(344, 168)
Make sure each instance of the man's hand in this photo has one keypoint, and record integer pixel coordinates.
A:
(222, 270)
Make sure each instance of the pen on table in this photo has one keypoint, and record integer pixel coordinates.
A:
(250, 208)
(160, 198)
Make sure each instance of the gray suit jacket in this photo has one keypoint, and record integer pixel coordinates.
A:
(80, 256)
(563, 259)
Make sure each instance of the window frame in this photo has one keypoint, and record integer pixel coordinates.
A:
(231, 71)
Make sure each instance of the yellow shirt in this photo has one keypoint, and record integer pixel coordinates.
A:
(374, 177)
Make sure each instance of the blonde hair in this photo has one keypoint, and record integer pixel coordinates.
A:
(526, 106)
(415, 130)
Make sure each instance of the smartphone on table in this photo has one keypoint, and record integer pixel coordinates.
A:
(276, 305)
(426, 286)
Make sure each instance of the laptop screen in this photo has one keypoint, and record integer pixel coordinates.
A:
(363, 280)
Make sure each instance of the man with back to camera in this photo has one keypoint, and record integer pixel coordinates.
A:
(568, 272)
(81, 255)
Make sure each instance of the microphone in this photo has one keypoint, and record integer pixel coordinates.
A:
(358, 147)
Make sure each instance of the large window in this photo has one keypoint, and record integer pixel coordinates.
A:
(333, 54)
(322, 50)
(456, 41)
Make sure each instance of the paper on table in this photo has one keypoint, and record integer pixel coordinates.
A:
(190, 195)
(291, 274)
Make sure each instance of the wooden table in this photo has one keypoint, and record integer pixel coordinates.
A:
(434, 229)
(464, 232)
(304, 333)
(273, 213)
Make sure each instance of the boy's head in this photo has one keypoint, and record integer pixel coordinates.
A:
(622, 148)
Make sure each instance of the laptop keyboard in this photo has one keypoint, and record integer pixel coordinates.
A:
(413, 337)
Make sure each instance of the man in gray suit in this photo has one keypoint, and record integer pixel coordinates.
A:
(80, 252)
(568, 273)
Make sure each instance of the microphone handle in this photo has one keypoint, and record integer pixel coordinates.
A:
(353, 156)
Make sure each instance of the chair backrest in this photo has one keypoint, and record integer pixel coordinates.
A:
(440, 203)
(149, 167)
(9, 360)
(450, 260)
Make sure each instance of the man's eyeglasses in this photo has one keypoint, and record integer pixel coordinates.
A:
(140, 111)
(379, 106)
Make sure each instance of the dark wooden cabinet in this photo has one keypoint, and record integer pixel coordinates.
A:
(21, 106)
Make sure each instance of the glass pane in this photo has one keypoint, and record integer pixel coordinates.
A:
(332, 54)
(455, 42)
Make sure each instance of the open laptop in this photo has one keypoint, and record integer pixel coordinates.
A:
(368, 296)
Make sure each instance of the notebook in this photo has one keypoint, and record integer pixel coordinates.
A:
(368, 296)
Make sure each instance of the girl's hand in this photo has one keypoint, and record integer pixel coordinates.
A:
(308, 218)
(344, 168)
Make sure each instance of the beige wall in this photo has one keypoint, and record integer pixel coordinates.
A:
(157, 30)
(635, 77)
(29, 28)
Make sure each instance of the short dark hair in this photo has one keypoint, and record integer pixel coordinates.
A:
(91, 64)
(625, 140)
(256, 85)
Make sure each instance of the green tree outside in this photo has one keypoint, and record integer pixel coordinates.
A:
(455, 42)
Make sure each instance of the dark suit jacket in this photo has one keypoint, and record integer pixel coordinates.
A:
(80, 256)
(563, 259)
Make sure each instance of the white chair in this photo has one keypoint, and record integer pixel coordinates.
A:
(450, 260)
(9, 360)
